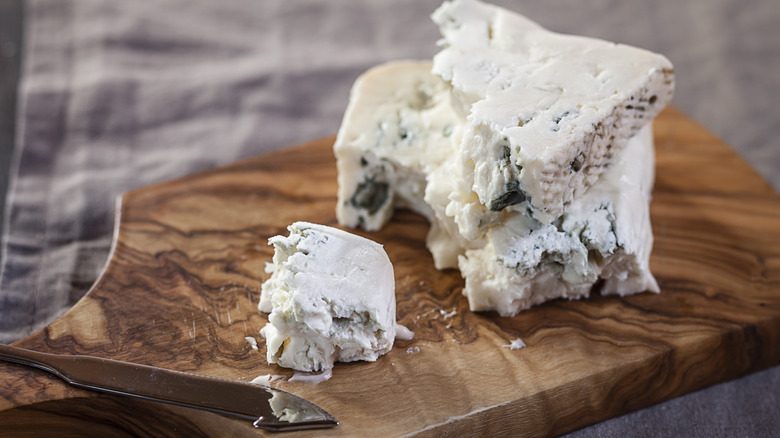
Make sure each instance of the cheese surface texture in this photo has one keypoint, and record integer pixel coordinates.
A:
(396, 148)
(605, 234)
(398, 128)
(546, 113)
(331, 297)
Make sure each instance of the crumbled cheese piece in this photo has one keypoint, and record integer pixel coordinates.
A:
(546, 113)
(252, 342)
(331, 297)
(515, 344)
(448, 315)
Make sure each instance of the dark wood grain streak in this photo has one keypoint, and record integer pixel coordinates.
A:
(183, 283)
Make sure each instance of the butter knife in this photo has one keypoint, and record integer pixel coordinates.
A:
(267, 408)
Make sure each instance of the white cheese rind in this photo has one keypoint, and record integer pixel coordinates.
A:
(546, 112)
(331, 297)
(604, 234)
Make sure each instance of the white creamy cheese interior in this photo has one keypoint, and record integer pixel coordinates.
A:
(399, 127)
(546, 112)
(331, 297)
(396, 148)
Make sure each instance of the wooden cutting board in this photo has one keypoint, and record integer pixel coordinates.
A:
(182, 284)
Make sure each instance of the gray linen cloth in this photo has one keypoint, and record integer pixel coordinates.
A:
(118, 95)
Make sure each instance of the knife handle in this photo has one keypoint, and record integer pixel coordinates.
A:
(31, 358)
(137, 380)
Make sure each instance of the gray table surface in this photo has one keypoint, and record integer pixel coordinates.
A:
(148, 91)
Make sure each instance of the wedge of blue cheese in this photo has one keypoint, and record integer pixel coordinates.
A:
(546, 113)
(604, 234)
(519, 261)
(330, 298)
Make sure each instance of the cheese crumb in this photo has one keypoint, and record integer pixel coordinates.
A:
(402, 333)
(448, 315)
(252, 342)
(515, 344)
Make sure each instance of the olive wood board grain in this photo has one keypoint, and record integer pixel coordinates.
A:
(182, 283)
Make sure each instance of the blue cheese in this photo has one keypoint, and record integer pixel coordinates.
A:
(604, 234)
(399, 127)
(519, 261)
(396, 148)
(529, 152)
(331, 297)
(546, 113)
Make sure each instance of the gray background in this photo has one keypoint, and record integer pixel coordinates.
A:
(119, 95)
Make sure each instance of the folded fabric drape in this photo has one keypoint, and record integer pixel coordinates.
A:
(120, 95)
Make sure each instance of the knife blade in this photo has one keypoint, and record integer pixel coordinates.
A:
(267, 408)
